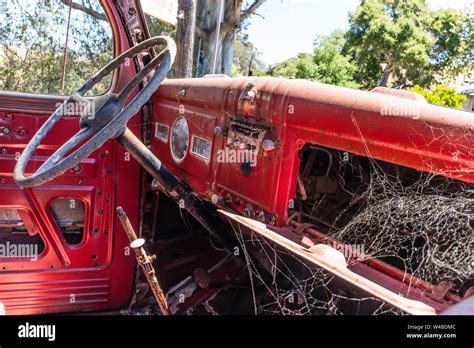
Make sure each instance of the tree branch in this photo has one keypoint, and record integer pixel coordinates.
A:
(251, 10)
(97, 15)
(232, 25)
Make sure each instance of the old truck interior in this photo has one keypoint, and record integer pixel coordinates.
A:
(336, 207)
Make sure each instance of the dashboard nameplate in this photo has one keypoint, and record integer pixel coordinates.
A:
(201, 148)
(161, 132)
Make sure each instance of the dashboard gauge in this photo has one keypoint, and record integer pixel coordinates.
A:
(201, 147)
(179, 139)
(161, 132)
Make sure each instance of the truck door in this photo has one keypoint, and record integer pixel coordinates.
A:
(62, 248)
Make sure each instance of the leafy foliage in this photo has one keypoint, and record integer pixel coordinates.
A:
(330, 65)
(441, 95)
(157, 28)
(405, 41)
(390, 43)
(453, 50)
(289, 68)
(327, 64)
(32, 38)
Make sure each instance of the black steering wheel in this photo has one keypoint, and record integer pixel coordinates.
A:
(102, 118)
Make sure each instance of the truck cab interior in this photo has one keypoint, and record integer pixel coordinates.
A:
(327, 212)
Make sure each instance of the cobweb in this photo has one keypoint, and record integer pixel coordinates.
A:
(424, 226)
(295, 287)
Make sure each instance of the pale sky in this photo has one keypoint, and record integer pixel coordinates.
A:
(290, 26)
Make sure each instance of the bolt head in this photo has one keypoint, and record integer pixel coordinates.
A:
(76, 169)
(268, 145)
(22, 132)
(218, 131)
(217, 200)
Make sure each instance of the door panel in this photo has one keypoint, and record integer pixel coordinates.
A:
(97, 272)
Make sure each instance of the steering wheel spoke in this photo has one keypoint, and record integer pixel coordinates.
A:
(60, 153)
(140, 77)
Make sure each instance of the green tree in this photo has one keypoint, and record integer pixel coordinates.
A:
(289, 68)
(32, 38)
(441, 95)
(330, 64)
(327, 64)
(388, 37)
(453, 50)
(403, 41)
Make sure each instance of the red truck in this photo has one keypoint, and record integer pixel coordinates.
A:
(305, 197)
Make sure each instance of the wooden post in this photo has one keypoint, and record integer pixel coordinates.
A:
(183, 67)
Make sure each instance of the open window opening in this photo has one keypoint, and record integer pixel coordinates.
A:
(421, 223)
(69, 216)
(19, 238)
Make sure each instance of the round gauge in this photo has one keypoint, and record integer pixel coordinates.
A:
(179, 139)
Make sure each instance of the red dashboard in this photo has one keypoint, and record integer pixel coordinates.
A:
(275, 118)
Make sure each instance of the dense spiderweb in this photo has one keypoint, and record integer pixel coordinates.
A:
(425, 228)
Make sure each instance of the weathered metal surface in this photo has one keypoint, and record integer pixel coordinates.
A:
(328, 258)
(433, 139)
(294, 113)
(175, 188)
(96, 274)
